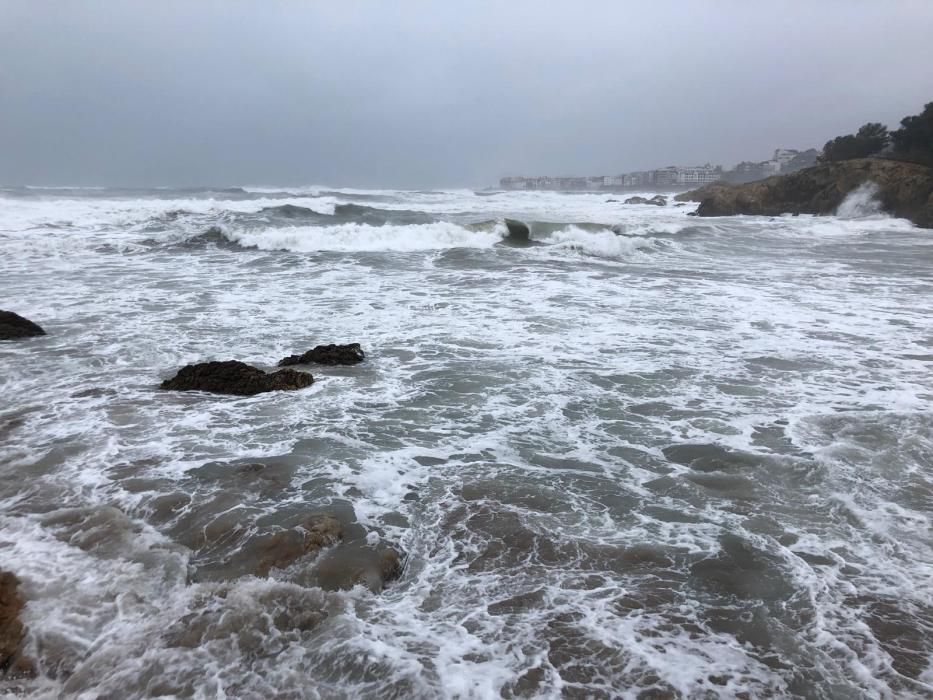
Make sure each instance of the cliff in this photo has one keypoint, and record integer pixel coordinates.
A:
(904, 190)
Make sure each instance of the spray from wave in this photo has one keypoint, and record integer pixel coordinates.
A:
(861, 203)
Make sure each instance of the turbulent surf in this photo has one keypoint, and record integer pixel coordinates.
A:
(640, 455)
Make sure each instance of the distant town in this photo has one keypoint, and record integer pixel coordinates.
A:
(673, 177)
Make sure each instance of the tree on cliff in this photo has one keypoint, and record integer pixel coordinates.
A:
(868, 140)
(914, 140)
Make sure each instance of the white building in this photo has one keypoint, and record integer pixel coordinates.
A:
(785, 155)
(770, 167)
(699, 175)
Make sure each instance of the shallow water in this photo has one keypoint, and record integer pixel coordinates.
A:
(651, 456)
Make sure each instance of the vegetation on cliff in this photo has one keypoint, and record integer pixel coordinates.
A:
(870, 139)
(913, 142)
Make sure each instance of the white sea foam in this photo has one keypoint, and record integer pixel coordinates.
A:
(603, 243)
(506, 431)
(364, 237)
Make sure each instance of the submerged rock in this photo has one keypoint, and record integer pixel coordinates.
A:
(15, 326)
(283, 548)
(518, 231)
(332, 354)
(234, 377)
(320, 551)
(344, 567)
(903, 189)
(12, 630)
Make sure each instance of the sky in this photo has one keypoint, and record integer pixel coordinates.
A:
(439, 94)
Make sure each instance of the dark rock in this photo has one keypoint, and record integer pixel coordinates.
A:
(12, 630)
(657, 200)
(611, 200)
(22, 668)
(327, 355)
(233, 377)
(518, 231)
(15, 326)
(904, 190)
(286, 546)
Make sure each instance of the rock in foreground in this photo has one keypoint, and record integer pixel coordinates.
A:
(15, 326)
(233, 377)
(342, 568)
(11, 629)
(332, 354)
(904, 190)
(286, 546)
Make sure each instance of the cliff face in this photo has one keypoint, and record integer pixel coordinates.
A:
(904, 190)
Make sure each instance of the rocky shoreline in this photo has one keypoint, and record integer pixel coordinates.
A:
(904, 190)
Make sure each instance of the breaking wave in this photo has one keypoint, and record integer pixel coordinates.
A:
(351, 237)
(439, 235)
(602, 242)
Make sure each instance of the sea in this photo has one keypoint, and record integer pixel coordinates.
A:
(644, 455)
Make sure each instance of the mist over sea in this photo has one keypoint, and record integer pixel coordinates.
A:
(646, 456)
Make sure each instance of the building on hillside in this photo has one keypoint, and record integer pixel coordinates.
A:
(803, 159)
(747, 171)
(785, 155)
(665, 177)
(770, 167)
(513, 183)
(699, 175)
(641, 178)
(613, 181)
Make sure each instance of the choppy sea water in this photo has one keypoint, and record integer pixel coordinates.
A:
(649, 456)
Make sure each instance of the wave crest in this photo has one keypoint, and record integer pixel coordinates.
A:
(356, 237)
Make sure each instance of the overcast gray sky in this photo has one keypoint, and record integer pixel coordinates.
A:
(421, 94)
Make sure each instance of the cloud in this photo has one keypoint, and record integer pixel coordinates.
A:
(438, 94)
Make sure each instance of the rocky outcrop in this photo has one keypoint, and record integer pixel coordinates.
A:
(518, 232)
(903, 189)
(332, 354)
(14, 326)
(12, 630)
(658, 200)
(233, 377)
